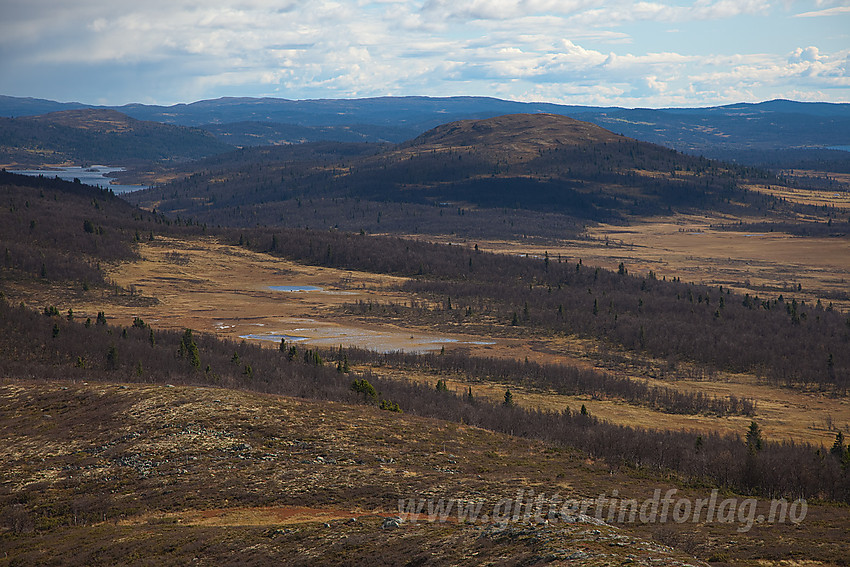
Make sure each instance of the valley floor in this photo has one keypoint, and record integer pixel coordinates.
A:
(690, 247)
(212, 287)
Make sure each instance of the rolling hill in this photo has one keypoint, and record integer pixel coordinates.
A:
(515, 135)
(535, 162)
(222, 477)
(85, 136)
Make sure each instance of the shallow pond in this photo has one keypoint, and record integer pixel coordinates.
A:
(385, 340)
(295, 288)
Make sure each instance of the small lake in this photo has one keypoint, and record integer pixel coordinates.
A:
(95, 175)
(389, 340)
(275, 338)
(293, 288)
(308, 288)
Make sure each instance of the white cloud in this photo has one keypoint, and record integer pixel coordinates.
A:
(593, 50)
(591, 11)
(722, 9)
(826, 13)
(501, 9)
(810, 54)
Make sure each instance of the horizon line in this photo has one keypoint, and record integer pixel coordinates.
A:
(448, 97)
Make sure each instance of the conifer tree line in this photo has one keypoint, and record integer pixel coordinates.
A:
(809, 344)
(560, 378)
(60, 231)
(85, 350)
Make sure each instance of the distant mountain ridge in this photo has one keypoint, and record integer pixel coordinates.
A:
(92, 119)
(779, 105)
(15, 107)
(729, 131)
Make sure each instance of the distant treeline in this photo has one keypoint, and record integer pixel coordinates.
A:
(808, 344)
(563, 379)
(816, 159)
(832, 228)
(46, 344)
(353, 215)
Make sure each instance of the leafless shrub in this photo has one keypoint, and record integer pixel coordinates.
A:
(17, 518)
(174, 257)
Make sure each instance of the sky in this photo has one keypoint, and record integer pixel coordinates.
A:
(654, 54)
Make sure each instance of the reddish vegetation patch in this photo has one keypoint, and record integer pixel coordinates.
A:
(267, 515)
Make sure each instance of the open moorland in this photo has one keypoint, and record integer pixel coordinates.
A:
(703, 249)
(567, 312)
(212, 287)
(99, 474)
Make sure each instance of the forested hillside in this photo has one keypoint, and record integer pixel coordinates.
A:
(256, 133)
(57, 231)
(537, 162)
(88, 136)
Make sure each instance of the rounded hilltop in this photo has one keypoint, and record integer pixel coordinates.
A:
(95, 119)
(515, 133)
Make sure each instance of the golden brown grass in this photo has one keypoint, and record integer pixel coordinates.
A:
(208, 286)
(166, 475)
(686, 246)
(212, 287)
(817, 197)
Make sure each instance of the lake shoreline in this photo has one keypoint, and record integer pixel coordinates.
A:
(94, 175)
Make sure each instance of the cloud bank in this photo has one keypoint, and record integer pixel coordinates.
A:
(571, 51)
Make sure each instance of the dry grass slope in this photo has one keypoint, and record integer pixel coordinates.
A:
(103, 474)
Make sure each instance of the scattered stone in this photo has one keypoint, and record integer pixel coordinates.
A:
(566, 554)
(391, 523)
